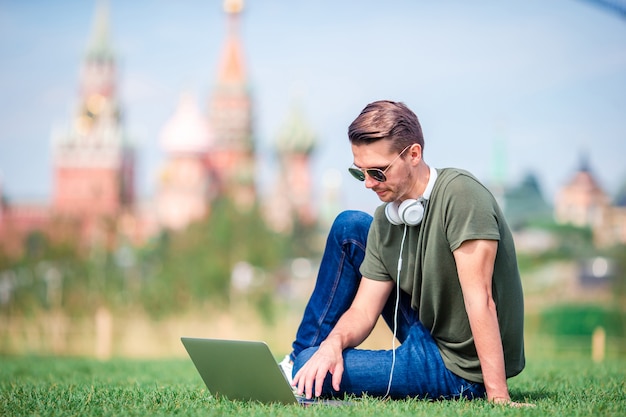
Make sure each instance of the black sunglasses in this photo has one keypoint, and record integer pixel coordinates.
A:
(376, 174)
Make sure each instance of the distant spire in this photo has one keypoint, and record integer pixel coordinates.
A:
(232, 68)
(498, 156)
(99, 45)
(233, 6)
(584, 165)
(230, 112)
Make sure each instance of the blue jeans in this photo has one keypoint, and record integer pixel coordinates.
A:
(419, 369)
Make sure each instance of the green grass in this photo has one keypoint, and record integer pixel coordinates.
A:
(37, 386)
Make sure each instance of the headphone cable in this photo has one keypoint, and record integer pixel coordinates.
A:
(395, 316)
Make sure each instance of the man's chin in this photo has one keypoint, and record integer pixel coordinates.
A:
(384, 196)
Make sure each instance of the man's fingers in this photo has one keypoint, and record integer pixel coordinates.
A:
(319, 382)
(296, 378)
(309, 379)
(308, 385)
(337, 374)
(304, 380)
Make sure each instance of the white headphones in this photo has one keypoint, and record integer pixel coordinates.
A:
(409, 212)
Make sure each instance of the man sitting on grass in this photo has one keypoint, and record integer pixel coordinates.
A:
(437, 260)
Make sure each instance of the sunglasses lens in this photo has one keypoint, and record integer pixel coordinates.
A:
(377, 175)
(357, 173)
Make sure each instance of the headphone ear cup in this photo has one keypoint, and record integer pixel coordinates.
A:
(411, 212)
(391, 211)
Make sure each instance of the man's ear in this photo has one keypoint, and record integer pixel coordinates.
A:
(416, 153)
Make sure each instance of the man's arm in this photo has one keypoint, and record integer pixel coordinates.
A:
(475, 262)
(352, 328)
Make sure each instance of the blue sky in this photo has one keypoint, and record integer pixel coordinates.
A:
(547, 79)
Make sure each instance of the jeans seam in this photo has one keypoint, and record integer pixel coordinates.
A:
(322, 317)
(335, 285)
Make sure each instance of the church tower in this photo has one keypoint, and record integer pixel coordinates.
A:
(292, 199)
(581, 201)
(231, 158)
(93, 163)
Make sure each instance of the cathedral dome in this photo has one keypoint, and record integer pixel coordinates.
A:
(296, 136)
(188, 131)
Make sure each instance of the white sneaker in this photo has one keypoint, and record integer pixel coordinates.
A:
(286, 366)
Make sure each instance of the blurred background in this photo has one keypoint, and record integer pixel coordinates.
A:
(172, 168)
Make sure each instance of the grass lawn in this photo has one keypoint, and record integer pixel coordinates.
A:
(36, 386)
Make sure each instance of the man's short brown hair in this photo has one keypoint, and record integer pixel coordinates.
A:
(386, 120)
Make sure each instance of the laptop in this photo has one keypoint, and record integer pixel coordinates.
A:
(243, 370)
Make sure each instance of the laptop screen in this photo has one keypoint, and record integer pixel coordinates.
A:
(239, 370)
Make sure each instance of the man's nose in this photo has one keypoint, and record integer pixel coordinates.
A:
(369, 181)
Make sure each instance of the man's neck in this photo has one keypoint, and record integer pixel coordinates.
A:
(421, 180)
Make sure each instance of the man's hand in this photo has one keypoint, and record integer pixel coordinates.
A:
(328, 358)
(350, 331)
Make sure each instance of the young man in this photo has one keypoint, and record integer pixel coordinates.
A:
(437, 260)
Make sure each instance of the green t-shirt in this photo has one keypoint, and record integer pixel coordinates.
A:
(460, 208)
